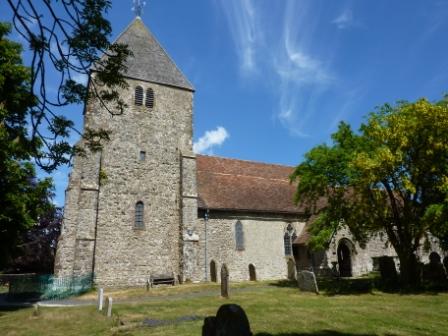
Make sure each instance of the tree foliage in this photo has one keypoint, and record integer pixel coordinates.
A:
(391, 177)
(23, 198)
(37, 249)
(68, 39)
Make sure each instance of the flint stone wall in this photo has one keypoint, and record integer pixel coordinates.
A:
(125, 255)
(263, 244)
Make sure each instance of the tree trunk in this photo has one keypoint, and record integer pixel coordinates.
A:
(409, 270)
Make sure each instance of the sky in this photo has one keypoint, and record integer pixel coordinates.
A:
(273, 78)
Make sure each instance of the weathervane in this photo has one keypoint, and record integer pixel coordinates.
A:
(138, 7)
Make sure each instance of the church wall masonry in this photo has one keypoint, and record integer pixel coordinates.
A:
(125, 255)
(263, 244)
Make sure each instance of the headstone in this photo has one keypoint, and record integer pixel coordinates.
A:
(209, 327)
(100, 299)
(230, 320)
(389, 275)
(434, 272)
(109, 306)
(224, 281)
(306, 281)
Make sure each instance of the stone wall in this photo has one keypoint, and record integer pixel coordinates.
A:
(124, 255)
(263, 244)
(362, 256)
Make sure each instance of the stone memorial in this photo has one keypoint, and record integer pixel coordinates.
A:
(306, 281)
(109, 306)
(230, 320)
(100, 299)
(388, 271)
(224, 281)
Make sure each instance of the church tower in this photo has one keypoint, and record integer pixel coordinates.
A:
(130, 209)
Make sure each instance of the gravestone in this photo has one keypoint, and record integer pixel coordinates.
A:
(389, 275)
(434, 272)
(306, 281)
(224, 281)
(109, 306)
(100, 299)
(230, 320)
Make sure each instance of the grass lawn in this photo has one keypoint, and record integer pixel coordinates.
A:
(272, 310)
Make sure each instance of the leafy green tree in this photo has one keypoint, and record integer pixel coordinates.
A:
(390, 177)
(23, 198)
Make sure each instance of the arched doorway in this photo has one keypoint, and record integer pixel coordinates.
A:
(344, 259)
(213, 271)
(252, 273)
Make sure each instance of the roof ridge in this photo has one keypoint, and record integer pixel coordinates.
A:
(245, 160)
(244, 175)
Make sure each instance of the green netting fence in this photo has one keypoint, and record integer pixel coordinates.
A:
(48, 287)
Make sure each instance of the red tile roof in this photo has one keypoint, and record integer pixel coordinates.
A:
(230, 184)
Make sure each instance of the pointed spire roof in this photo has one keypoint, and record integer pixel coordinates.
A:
(150, 62)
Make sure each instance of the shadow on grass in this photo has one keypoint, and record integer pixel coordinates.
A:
(319, 333)
(284, 283)
(356, 286)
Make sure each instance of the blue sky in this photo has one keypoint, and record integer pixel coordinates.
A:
(274, 77)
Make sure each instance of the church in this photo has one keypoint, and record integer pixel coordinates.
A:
(147, 205)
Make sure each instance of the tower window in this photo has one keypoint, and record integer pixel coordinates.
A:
(139, 210)
(139, 96)
(239, 236)
(142, 155)
(149, 102)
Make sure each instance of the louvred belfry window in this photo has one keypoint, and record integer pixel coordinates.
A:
(139, 96)
(149, 102)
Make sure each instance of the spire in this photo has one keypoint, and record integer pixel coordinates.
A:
(150, 62)
(137, 7)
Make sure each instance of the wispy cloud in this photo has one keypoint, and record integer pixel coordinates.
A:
(285, 55)
(302, 75)
(243, 23)
(344, 20)
(210, 140)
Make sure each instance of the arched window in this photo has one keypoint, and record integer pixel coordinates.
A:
(239, 236)
(139, 96)
(139, 210)
(149, 102)
(288, 238)
(287, 242)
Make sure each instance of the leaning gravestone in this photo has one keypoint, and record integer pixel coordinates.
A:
(306, 281)
(224, 281)
(230, 320)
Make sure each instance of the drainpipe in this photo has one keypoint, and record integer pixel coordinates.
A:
(205, 244)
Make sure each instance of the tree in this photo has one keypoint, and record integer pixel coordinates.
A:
(390, 177)
(67, 39)
(37, 249)
(23, 198)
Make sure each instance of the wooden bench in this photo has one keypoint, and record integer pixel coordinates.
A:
(161, 279)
